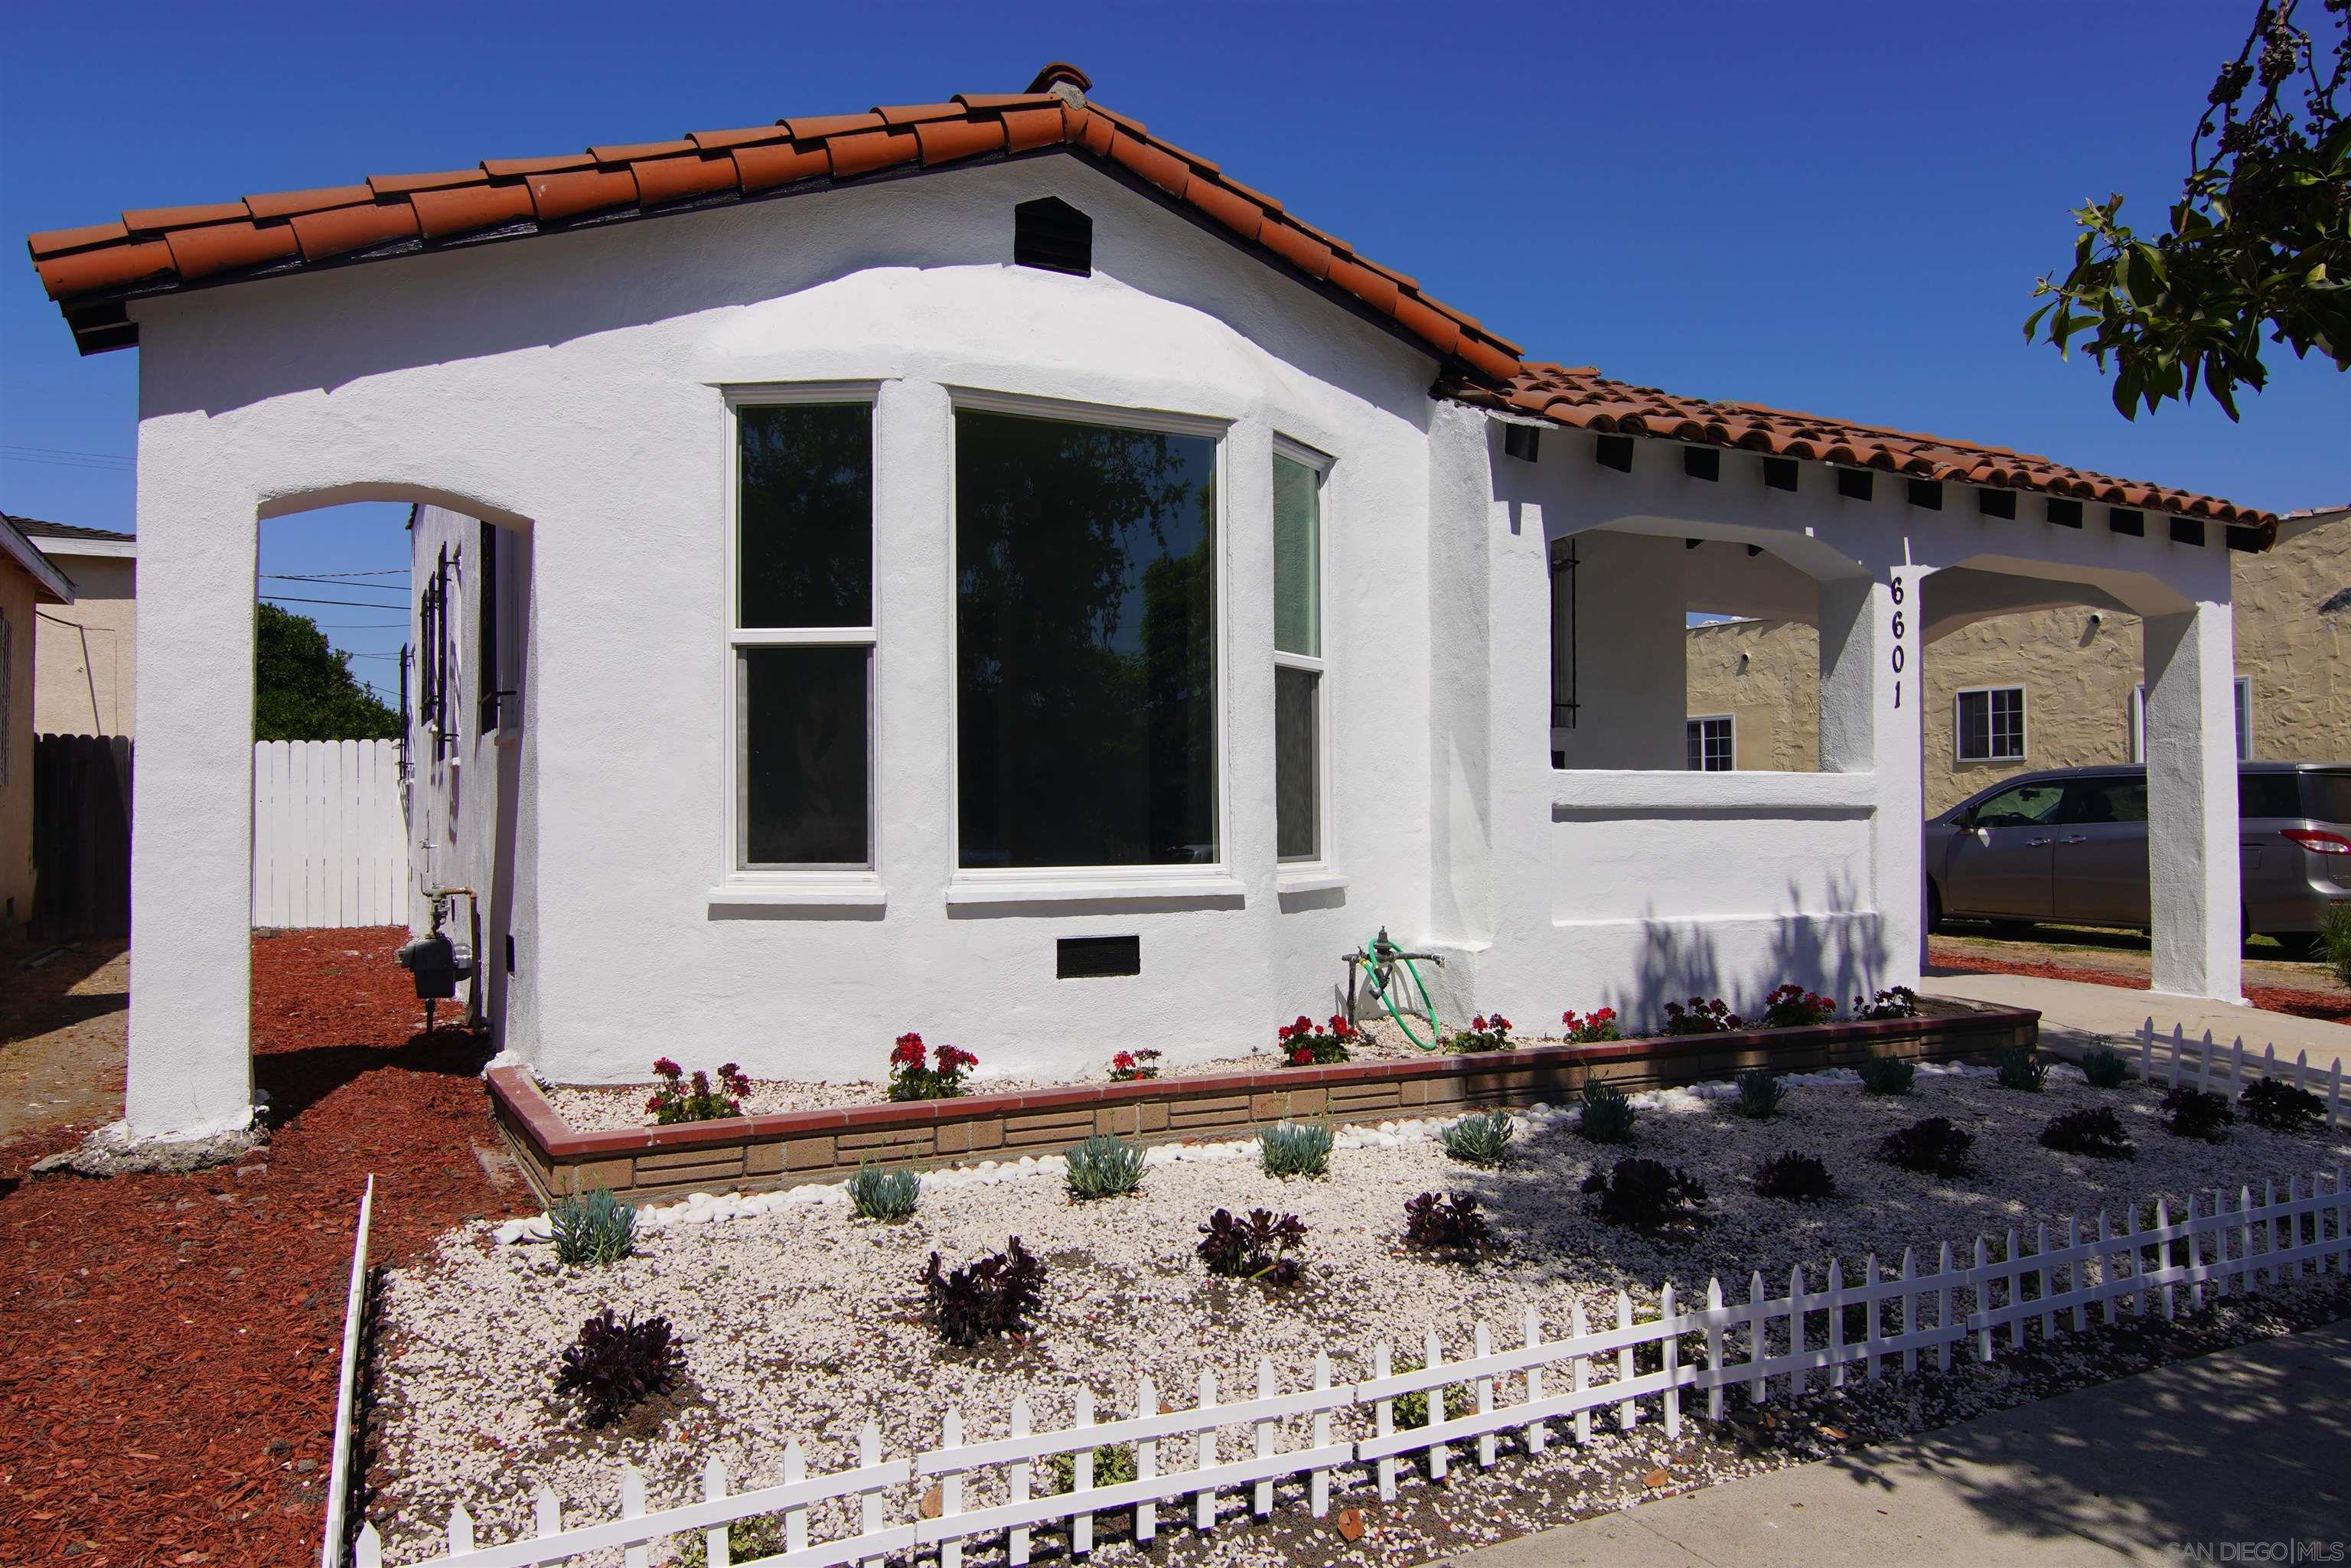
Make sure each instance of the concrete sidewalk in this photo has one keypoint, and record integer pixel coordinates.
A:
(2245, 1444)
(2075, 1016)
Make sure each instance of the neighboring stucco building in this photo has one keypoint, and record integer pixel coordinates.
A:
(87, 648)
(2053, 688)
(977, 568)
(30, 585)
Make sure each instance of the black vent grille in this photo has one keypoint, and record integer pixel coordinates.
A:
(1091, 958)
(1051, 234)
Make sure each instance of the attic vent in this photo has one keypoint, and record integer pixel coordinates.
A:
(1053, 235)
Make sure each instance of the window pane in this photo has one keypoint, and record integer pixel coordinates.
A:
(1297, 558)
(1085, 644)
(804, 755)
(1297, 762)
(806, 553)
(2027, 805)
(2008, 723)
(1975, 725)
(1693, 746)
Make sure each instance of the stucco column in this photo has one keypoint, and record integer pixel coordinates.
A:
(1870, 687)
(191, 1064)
(2191, 804)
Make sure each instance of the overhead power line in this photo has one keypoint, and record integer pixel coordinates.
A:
(353, 603)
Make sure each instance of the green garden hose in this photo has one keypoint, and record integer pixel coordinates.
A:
(1385, 955)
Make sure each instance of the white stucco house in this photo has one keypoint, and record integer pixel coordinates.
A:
(1058, 603)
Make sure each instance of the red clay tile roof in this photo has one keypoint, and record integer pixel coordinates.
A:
(93, 271)
(1581, 397)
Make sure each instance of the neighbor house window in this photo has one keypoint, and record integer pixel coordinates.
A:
(2244, 721)
(1297, 725)
(1085, 559)
(801, 634)
(1991, 725)
(1708, 743)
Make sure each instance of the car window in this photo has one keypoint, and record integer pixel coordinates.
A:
(2327, 797)
(2023, 806)
(2089, 801)
(2268, 795)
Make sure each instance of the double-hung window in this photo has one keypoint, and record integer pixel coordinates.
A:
(1297, 701)
(1989, 725)
(801, 635)
(1086, 641)
(1709, 743)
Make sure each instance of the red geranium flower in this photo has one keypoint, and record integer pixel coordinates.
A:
(663, 1067)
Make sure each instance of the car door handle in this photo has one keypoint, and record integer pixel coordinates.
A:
(2074, 839)
(2036, 843)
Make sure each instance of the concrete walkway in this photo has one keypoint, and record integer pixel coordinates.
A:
(2245, 1444)
(2075, 1016)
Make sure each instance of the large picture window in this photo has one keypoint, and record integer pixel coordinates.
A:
(1085, 644)
(1297, 658)
(802, 634)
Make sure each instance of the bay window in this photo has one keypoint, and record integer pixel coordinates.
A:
(1086, 639)
(801, 635)
(1298, 723)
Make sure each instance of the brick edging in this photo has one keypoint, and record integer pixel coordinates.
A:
(785, 1148)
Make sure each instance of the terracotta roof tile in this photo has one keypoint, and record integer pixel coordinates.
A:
(574, 192)
(916, 113)
(947, 140)
(1028, 129)
(285, 204)
(469, 208)
(866, 151)
(109, 266)
(338, 231)
(825, 125)
(1583, 399)
(50, 241)
(181, 217)
(630, 151)
(663, 179)
(216, 248)
(764, 168)
(749, 136)
(405, 184)
(161, 248)
(515, 168)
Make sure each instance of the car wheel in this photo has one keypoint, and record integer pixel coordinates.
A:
(1934, 909)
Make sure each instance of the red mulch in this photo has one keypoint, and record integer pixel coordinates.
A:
(167, 1394)
(2318, 1005)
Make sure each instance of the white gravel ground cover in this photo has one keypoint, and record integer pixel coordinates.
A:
(798, 1322)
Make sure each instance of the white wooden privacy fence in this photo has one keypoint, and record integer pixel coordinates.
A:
(1631, 1371)
(2176, 1061)
(329, 833)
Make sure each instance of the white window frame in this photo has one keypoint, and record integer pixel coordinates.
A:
(2023, 728)
(2243, 706)
(1728, 720)
(1024, 885)
(794, 885)
(1318, 869)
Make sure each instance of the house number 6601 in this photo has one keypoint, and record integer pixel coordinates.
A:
(1897, 657)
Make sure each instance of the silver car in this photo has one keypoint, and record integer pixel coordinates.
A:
(2069, 845)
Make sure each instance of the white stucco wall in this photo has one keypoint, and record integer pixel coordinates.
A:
(574, 383)
(574, 387)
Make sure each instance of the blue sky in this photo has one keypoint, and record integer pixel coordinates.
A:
(1839, 208)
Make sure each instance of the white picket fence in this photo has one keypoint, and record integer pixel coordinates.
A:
(2181, 1062)
(2144, 1267)
(338, 1468)
(330, 834)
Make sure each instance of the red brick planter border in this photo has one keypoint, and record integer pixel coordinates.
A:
(786, 1149)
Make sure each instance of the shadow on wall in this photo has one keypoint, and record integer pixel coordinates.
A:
(1837, 954)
